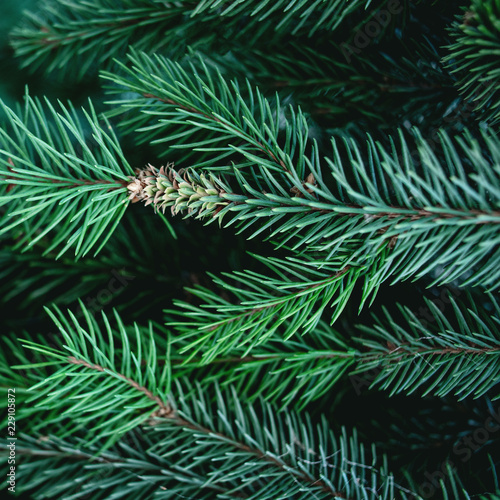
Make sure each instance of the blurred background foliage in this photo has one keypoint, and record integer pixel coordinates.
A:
(14, 79)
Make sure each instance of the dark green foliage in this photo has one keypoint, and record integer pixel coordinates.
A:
(272, 234)
(458, 355)
(474, 55)
(68, 185)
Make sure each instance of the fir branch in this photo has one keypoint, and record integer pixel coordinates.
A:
(208, 196)
(52, 466)
(474, 57)
(291, 301)
(164, 409)
(285, 372)
(56, 178)
(98, 30)
(145, 461)
(306, 461)
(197, 112)
(457, 355)
(293, 16)
(94, 30)
(92, 350)
(288, 372)
(285, 450)
(379, 216)
(337, 90)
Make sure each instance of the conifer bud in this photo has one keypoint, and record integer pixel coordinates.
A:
(197, 194)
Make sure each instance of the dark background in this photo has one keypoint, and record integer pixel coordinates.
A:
(12, 79)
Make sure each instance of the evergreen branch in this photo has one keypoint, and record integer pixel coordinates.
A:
(385, 207)
(458, 356)
(337, 87)
(116, 355)
(201, 429)
(292, 301)
(381, 214)
(453, 204)
(283, 372)
(98, 30)
(57, 178)
(97, 367)
(208, 196)
(51, 466)
(197, 112)
(474, 57)
(95, 30)
(286, 461)
(293, 16)
(163, 407)
(406, 354)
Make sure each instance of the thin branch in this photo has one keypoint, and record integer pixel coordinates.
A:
(165, 408)
(169, 413)
(139, 183)
(259, 145)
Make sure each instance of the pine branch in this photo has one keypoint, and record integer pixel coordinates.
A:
(144, 462)
(179, 447)
(51, 466)
(293, 301)
(294, 16)
(338, 88)
(474, 57)
(100, 364)
(406, 354)
(200, 113)
(288, 372)
(99, 30)
(194, 416)
(457, 355)
(426, 214)
(94, 30)
(285, 372)
(280, 452)
(92, 350)
(57, 178)
(380, 215)
(461, 359)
